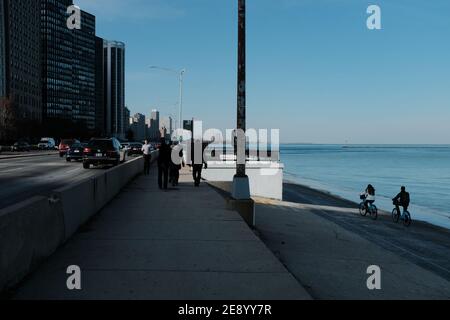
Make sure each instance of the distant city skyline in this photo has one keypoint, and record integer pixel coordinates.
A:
(314, 69)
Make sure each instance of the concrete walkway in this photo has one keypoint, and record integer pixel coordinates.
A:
(179, 244)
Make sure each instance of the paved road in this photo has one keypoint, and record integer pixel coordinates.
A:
(23, 178)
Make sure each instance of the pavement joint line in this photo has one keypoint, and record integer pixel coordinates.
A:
(160, 239)
(183, 271)
(26, 156)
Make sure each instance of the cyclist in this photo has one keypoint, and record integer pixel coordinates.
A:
(368, 196)
(402, 199)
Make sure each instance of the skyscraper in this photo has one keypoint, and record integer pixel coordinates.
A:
(57, 55)
(138, 127)
(154, 125)
(100, 110)
(84, 72)
(2, 50)
(20, 58)
(114, 59)
(166, 125)
(68, 60)
(126, 120)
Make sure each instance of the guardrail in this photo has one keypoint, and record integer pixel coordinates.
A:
(32, 230)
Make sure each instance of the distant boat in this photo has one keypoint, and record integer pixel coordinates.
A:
(346, 146)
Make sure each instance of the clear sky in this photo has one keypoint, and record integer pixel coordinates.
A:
(314, 69)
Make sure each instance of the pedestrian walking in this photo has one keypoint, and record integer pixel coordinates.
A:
(198, 161)
(147, 152)
(163, 164)
(176, 167)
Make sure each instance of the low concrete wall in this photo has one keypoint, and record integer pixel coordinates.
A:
(32, 230)
(29, 231)
(266, 178)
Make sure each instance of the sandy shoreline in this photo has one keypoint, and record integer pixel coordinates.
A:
(298, 193)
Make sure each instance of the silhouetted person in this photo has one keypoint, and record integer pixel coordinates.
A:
(174, 167)
(163, 164)
(402, 199)
(147, 151)
(197, 164)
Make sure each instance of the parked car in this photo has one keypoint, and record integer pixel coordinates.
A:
(103, 152)
(47, 144)
(20, 147)
(135, 149)
(126, 146)
(65, 145)
(75, 152)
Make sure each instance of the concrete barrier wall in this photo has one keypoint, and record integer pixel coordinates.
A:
(266, 178)
(32, 230)
(29, 231)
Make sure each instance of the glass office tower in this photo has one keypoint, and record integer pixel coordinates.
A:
(114, 78)
(20, 58)
(68, 59)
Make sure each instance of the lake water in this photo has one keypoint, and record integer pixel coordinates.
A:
(346, 170)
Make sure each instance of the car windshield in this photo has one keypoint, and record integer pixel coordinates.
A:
(44, 141)
(101, 144)
(67, 141)
(76, 145)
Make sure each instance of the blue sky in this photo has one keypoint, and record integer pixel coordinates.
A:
(314, 70)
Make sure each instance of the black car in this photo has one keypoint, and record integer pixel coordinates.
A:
(75, 152)
(20, 146)
(135, 149)
(103, 152)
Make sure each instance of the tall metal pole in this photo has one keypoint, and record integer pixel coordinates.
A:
(241, 86)
(181, 99)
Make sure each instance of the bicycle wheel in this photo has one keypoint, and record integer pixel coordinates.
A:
(395, 215)
(407, 219)
(374, 213)
(362, 210)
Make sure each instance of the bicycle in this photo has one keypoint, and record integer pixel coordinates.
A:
(373, 210)
(396, 215)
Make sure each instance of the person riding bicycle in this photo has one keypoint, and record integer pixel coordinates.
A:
(402, 199)
(368, 196)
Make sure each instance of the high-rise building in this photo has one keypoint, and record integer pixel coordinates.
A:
(20, 58)
(100, 111)
(68, 60)
(126, 120)
(2, 50)
(138, 127)
(114, 59)
(84, 72)
(155, 118)
(166, 125)
(188, 125)
(154, 125)
(57, 54)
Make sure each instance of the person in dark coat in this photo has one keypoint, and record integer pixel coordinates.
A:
(402, 199)
(163, 164)
(197, 164)
(176, 167)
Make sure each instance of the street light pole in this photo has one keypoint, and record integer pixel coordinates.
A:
(241, 184)
(180, 73)
(241, 89)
